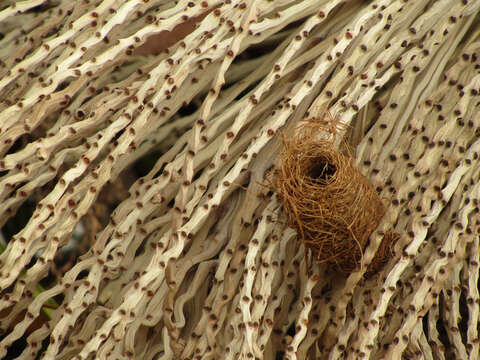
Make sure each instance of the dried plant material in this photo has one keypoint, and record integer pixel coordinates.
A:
(195, 260)
(384, 253)
(329, 202)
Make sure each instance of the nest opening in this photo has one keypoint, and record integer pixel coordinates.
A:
(322, 172)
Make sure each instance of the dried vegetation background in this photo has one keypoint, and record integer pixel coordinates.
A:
(133, 202)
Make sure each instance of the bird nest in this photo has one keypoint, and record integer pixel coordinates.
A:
(329, 202)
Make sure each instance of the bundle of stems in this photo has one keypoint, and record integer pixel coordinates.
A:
(191, 257)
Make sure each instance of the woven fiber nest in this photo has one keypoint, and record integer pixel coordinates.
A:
(328, 201)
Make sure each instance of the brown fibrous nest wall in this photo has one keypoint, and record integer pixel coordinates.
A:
(333, 207)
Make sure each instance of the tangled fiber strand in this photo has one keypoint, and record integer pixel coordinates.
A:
(329, 202)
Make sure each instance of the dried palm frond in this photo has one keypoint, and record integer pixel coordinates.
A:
(196, 261)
